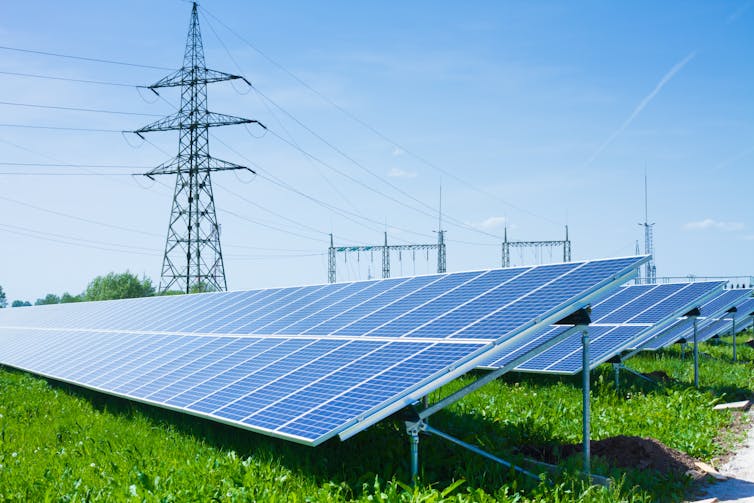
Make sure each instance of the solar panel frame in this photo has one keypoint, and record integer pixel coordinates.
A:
(735, 297)
(608, 340)
(159, 349)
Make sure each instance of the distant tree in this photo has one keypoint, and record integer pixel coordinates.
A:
(201, 287)
(20, 303)
(50, 298)
(3, 299)
(171, 292)
(67, 298)
(118, 286)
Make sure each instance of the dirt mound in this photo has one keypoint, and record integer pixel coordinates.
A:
(642, 453)
(623, 452)
(750, 343)
(659, 376)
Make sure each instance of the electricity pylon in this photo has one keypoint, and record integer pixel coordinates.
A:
(193, 257)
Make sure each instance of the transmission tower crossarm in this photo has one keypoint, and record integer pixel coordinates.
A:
(178, 165)
(535, 243)
(183, 120)
(194, 75)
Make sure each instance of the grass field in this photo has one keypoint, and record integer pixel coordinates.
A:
(61, 443)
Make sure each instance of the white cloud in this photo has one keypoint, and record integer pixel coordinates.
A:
(491, 223)
(709, 223)
(400, 173)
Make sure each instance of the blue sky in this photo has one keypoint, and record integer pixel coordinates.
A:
(546, 113)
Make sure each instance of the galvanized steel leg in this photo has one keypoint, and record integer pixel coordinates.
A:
(586, 403)
(479, 451)
(616, 371)
(733, 329)
(414, 439)
(696, 358)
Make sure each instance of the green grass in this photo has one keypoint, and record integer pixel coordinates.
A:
(61, 443)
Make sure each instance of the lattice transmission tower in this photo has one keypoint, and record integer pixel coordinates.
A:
(537, 246)
(384, 251)
(193, 257)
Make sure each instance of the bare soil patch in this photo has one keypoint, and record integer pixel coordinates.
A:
(642, 453)
(659, 376)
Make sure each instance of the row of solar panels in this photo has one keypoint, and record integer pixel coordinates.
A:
(643, 317)
(308, 363)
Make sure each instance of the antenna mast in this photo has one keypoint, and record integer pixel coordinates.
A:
(650, 271)
(193, 257)
(441, 257)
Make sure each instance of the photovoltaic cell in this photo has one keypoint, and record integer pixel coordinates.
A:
(619, 320)
(303, 363)
(708, 323)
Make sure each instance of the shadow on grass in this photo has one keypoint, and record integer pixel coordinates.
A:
(380, 451)
(383, 450)
(719, 384)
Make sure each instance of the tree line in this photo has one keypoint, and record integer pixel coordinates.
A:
(110, 286)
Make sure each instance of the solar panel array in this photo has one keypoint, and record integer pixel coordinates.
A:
(713, 320)
(302, 363)
(620, 320)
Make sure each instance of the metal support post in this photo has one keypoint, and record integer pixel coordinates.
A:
(428, 429)
(696, 357)
(616, 371)
(385, 260)
(586, 402)
(683, 351)
(733, 331)
(441, 252)
(414, 439)
(413, 428)
(331, 262)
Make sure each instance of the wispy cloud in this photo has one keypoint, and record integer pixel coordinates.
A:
(401, 173)
(735, 158)
(738, 13)
(641, 106)
(397, 152)
(712, 224)
(491, 223)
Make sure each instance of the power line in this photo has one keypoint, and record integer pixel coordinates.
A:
(290, 143)
(84, 58)
(62, 128)
(92, 173)
(75, 241)
(69, 79)
(76, 109)
(339, 151)
(129, 229)
(372, 128)
(348, 215)
(63, 165)
(277, 119)
(73, 217)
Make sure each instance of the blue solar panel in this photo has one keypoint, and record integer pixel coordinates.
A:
(707, 323)
(626, 317)
(302, 363)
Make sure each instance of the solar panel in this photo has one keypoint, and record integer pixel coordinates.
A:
(708, 324)
(630, 315)
(302, 363)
